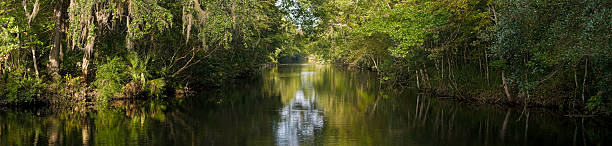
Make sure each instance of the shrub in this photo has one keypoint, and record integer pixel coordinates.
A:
(110, 79)
(68, 87)
(156, 87)
(138, 68)
(141, 75)
(19, 87)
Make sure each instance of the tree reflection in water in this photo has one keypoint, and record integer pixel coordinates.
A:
(301, 105)
(301, 119)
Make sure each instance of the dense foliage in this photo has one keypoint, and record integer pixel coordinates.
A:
(534, 52)
(96, 50)
(501, 51)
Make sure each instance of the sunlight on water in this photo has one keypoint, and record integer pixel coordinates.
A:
(300, 118)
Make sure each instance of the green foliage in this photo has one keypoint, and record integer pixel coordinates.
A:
(541, 38)
(501, 64)
(236, 38)
(408, 24)
(230, 39)
(8, 32)
(81, 27)
(156, 87)
(17, 87)
(148, 17)
(138, 68)
(69, 86)
(596, 103)
(546, 48)
(141, 75)
(110, 79)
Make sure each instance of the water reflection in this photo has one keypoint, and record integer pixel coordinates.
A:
(300, 121)
(301, 105)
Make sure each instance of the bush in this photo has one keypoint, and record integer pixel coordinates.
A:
(140, 77)
(156, 87)
(110, 79)
(138, 68)
(69, 87)
(19, 87)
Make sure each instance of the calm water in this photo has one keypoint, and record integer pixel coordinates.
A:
(301, 105)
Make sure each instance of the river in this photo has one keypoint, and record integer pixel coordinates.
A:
(301, 104)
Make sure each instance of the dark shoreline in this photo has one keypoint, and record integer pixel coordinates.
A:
(492, 98)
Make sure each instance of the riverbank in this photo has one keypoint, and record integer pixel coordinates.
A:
(78, 95)
(75, 93)
(470, 84)
(495, 96)
(306, 104)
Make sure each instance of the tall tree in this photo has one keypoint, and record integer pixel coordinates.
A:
(54, 52)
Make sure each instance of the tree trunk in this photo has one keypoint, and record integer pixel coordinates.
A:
(64, 30)
(128, 40)
(417, 79)
(427, 77)
(586, 66)
(480, 70)
(35, 62)
(87, 55)
(487, 67)
(54, 53)
(31, 15)
(505, 83)
(451, 74)
(575, 80)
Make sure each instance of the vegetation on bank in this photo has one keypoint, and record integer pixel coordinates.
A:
(66, 51)
(542, 53)
(499, 51)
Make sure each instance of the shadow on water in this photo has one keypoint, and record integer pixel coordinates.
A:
(301, 104)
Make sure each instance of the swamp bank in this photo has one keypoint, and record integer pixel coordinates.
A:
(301, 104)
